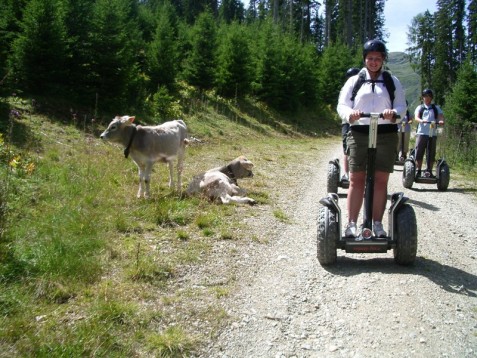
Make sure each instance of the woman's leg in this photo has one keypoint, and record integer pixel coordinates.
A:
(355, 194)
(380, 195)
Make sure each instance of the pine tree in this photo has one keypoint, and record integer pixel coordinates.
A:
(10, 13)
(460, 109)
(162, 53)
(113, 70)
(39, 51)
(285, 69)
(461, 103)
(472, 30)
(334, 62)
(78, 28)
(233, 62)
(266, 53)
(231, 10)
(448, 46)
(354, 21)
(200, 63)
(421, 38)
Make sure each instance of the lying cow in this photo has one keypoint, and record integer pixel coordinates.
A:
(221, 183)
(150, 144)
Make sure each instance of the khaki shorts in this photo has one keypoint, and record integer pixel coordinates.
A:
(386, 152)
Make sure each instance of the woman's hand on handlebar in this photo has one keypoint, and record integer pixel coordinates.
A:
(390, 115)
(354, 116)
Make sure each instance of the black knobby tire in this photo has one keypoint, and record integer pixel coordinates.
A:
(444, 177)
(405, 234)
(333, 178)
(408, 173)
(328, 235)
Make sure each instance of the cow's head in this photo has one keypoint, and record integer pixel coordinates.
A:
(241, 167)
(115, 129)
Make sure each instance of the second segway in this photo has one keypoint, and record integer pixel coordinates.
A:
(442, 177)
(334, 178)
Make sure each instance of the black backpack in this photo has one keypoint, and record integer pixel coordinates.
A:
(388, 83)
(434, 108)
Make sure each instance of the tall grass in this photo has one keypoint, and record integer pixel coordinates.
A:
(458, 147)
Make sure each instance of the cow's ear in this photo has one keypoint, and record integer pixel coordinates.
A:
(131, 119)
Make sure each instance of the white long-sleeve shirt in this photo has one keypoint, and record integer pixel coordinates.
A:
(370, 101)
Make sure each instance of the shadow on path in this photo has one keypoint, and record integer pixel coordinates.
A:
(449, 278)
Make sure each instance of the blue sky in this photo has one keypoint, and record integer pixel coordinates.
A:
(398, 15)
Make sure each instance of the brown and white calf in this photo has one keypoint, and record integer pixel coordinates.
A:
(148, 145)
(221, 183)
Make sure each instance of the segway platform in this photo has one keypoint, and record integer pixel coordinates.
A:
(372, 245)
(402, 226)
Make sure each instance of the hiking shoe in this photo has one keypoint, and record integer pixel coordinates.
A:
(378, 229)
(351, 229)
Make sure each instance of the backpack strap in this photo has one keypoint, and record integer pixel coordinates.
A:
(436, 113)
(388, 83)
(390, 86)
(358, 84)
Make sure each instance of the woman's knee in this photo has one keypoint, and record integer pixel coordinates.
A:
(381, 179)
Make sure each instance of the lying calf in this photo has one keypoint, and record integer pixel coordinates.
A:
(221, 183)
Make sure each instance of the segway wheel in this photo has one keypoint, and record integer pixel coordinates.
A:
(333, 178)
(408, 174)
(444, 177)
(405, 234)
(328, 235)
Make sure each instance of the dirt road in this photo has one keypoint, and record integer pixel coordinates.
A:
(287, 305)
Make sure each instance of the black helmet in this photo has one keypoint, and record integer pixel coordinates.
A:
(427, 92)
(351, 72)
(375, 46)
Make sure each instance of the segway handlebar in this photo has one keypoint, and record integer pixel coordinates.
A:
(433, 123)
(380, 115)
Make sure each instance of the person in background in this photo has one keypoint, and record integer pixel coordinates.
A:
(372, 97)
(428, 116)
(404, 134)
(345, 129)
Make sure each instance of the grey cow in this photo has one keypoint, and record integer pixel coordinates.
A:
(150, 144)
(221, 183)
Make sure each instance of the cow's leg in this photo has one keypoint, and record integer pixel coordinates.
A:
(180, 167)
(170, 164)
(147, 179)
(141, 169)
(237, 199)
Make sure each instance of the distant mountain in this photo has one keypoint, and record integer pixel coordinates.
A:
(399, 65)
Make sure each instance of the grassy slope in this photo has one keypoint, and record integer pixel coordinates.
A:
(87, 269)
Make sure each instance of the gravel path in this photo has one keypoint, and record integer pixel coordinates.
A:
(287, 305)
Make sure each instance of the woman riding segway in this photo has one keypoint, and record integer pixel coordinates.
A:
(372, 102)
(372, 96)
